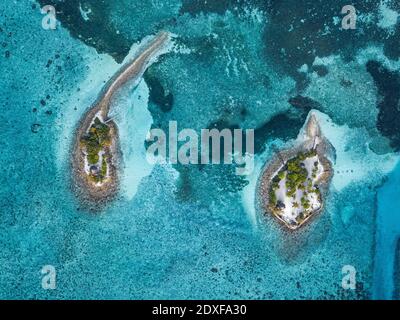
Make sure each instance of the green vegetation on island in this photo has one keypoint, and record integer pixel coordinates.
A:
(293, 186)
(296, 179)
(94, 141)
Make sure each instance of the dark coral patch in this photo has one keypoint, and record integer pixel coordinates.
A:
(158, 94)
(388, 84)
(97, 32)
(299, 31)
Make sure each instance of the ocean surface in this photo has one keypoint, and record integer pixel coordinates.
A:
(190, 231)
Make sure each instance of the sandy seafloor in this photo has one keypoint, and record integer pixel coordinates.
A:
(177, 232)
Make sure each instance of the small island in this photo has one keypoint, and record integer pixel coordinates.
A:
(292, 187)
(96, 145)
(96, 153)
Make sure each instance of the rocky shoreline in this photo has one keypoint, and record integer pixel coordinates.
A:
(311, 134)
(85, 189)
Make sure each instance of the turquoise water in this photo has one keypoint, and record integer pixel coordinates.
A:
(178, 232)
(387, 237)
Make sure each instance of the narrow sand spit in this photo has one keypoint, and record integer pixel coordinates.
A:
(88, 191)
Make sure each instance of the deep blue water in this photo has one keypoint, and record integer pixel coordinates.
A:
(178, 232)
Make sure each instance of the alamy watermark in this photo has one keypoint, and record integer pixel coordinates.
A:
(349, 277)
(237, 147)
(350, 18)
(49, 21)
(49, 277)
